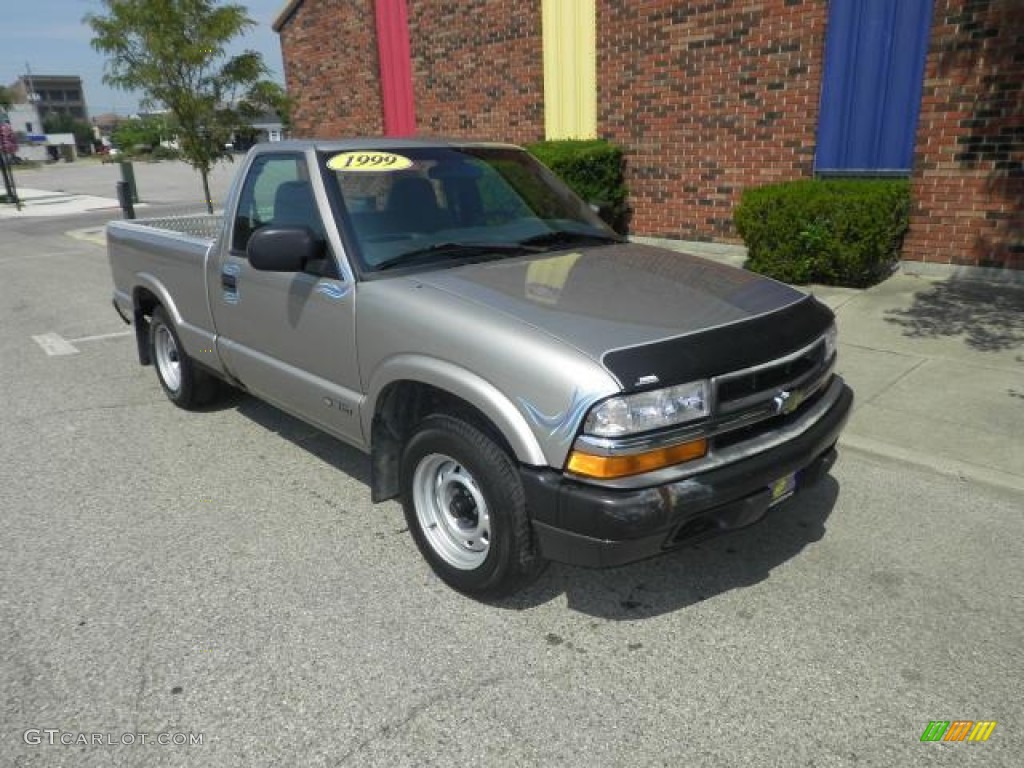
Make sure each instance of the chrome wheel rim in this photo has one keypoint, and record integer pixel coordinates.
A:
(451, 511)
(167, 360)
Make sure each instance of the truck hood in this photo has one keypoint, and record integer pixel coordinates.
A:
(649, 315)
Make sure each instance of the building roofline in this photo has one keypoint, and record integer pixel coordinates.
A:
(34, 76)
(285, 13)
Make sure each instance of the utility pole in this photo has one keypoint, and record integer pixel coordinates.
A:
(28, 83)
(30, 91)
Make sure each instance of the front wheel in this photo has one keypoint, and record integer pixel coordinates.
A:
(465, 506)
(184, 384)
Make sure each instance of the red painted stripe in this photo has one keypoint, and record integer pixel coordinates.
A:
(395, 68)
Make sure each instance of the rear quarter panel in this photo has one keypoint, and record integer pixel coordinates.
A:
(169, 265)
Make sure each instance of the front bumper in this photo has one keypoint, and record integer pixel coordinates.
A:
(600, 527)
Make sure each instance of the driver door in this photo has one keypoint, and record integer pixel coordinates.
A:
(289, 338)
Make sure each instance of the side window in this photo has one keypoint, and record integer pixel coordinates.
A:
(276, 191)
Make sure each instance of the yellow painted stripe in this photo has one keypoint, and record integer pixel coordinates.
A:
(982, 730)
(570, 69)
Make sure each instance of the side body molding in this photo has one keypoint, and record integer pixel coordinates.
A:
(461, 383)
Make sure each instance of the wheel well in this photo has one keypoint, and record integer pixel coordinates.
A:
(402, 405)
(145, 302)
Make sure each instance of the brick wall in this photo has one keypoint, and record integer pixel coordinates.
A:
(968, 185)
(330, 65)
(708, 98)
(478, 69)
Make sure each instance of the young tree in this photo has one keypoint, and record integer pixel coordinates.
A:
(141, 133)
(174, 52)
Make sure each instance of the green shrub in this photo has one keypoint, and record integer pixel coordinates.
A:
(836, 232)
(160, 152)
(593, 170)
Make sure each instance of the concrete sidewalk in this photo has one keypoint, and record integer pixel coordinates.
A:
(936, 364)
(938, 370)
(41, 202)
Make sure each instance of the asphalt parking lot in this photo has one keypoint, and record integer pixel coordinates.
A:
(223, 574)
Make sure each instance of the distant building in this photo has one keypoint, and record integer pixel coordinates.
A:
(28, 129)
(52, 95)
(107, 122)
(268, 127)
(24, 119)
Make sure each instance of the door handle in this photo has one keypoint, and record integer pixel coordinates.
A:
(229, 281)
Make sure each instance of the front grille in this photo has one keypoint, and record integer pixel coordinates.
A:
(774, 377)
(769, 396)
(770, 424)
(743, 389)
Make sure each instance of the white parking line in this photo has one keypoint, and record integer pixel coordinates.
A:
(116, 335)
(95, 235)
(54, 344)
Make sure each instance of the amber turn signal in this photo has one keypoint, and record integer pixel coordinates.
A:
(608, 467)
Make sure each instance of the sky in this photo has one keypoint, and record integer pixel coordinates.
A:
(50, 37)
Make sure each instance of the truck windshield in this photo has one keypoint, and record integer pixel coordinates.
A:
(411, 207)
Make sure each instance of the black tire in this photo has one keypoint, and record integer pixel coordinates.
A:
(181, 380)
(476, 466)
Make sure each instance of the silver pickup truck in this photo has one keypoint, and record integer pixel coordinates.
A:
(531, 386)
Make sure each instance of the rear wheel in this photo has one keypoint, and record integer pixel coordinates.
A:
(184, 384)
(466, 509)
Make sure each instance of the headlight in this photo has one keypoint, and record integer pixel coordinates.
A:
(645, 411)
(831, 338)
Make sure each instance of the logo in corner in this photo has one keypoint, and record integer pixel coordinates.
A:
(958, 730)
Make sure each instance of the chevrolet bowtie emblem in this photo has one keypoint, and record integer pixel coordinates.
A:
(786, 402)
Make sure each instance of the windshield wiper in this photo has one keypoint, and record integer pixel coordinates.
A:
(447, 250)
(567, 236)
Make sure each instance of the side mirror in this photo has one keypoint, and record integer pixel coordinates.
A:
(283, 249)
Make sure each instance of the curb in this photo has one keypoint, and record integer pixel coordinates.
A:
(944, 466)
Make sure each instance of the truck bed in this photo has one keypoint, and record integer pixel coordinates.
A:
(202, 226)
(166, 258)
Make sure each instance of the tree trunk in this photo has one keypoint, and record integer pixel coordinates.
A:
(205, 173)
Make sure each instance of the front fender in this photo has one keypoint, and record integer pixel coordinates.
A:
(463, 384)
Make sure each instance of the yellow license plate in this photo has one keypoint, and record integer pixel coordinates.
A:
(782, 489)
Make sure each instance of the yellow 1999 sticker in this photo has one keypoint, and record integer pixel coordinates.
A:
(368, 160)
